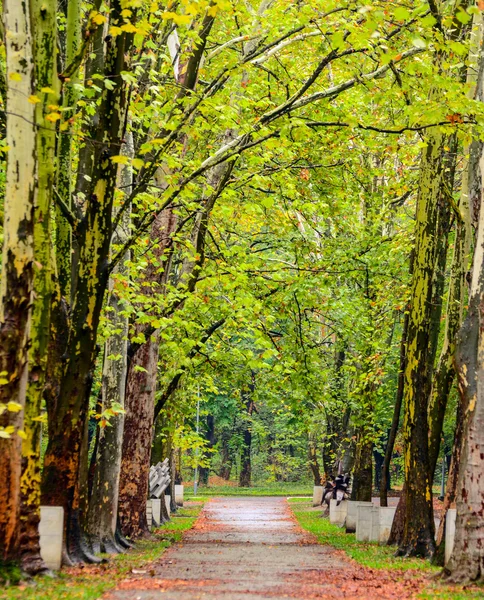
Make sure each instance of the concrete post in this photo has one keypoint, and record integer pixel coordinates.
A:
(51, 530)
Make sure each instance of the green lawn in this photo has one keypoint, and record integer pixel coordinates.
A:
(373, 555)
(91, 581)
(267, 489)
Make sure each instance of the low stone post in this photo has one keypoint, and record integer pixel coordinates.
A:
(337, 512)
(179, 489)
(387, 514)
(51, 531)
(450, 519)
(352, 514)
(317, 495)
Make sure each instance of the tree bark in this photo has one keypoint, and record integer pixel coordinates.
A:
(361, 488)
(103, 504)
(62, 466)
(140, 401)
(17, 271)
(137, 439)
(313, 459)
(418, 536)
(43, 19)
(392, 436)
(246, 464)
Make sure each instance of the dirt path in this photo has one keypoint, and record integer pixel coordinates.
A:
(244, 548)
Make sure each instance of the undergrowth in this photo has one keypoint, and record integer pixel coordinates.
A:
(266, 489)
(89, 582)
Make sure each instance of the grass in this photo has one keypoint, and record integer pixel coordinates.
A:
(266, 489)
(91, 581)
(374, 556)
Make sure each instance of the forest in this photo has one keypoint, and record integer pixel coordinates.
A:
(246, 237)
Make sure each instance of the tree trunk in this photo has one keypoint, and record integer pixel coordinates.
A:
(246, 465)
(392, 436)
(361, 488)
(17, 271)
(313, 459)
(137, 439)
(467, 560)
(43, 17)
(64, 175)
(60, 485)
(418, 536)
(210, 437)
(445, 371)
(103, 505)
(226, 458)
(140, 401)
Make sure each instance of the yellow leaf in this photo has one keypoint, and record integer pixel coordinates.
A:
(14, 406)
(15, 77)
(98, 18)
(120, 159)
(137, 163)
(126, 12)
(22, 434)
(34, 99)
(47, 90)
(182, 19)
(212, 11)
(53, 117)
(114, 31)
(153, 7)
(4, 434)
(129, 28)
(64, 126)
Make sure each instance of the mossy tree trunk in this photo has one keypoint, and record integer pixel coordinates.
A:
(43, 18)
(103, 503)
(60, 484)
(17, 270)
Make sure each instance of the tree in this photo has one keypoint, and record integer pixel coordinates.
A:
(17, 270)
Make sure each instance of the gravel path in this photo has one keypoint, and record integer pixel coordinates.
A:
(244, 548)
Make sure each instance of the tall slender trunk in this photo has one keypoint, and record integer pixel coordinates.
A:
(467, 560)
(418, 535)
(17, 270)
(62, 465)
(313, 459)
(137, 439)
(361, 489)
(210, 437)
(103, 504)
(43, 18)
(64, 175)
(140, 400)
(392, 436)
(246, 463)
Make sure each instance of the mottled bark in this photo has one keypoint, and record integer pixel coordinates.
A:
(60, 484)
(137, 438)
(17, 270)
(64, 175)
(392, 436)
(467, 560)
(103, 504)
(361, 488)
(313, 459)
(418, 535)
(140, 400)
(246, 463)
(43, 18)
